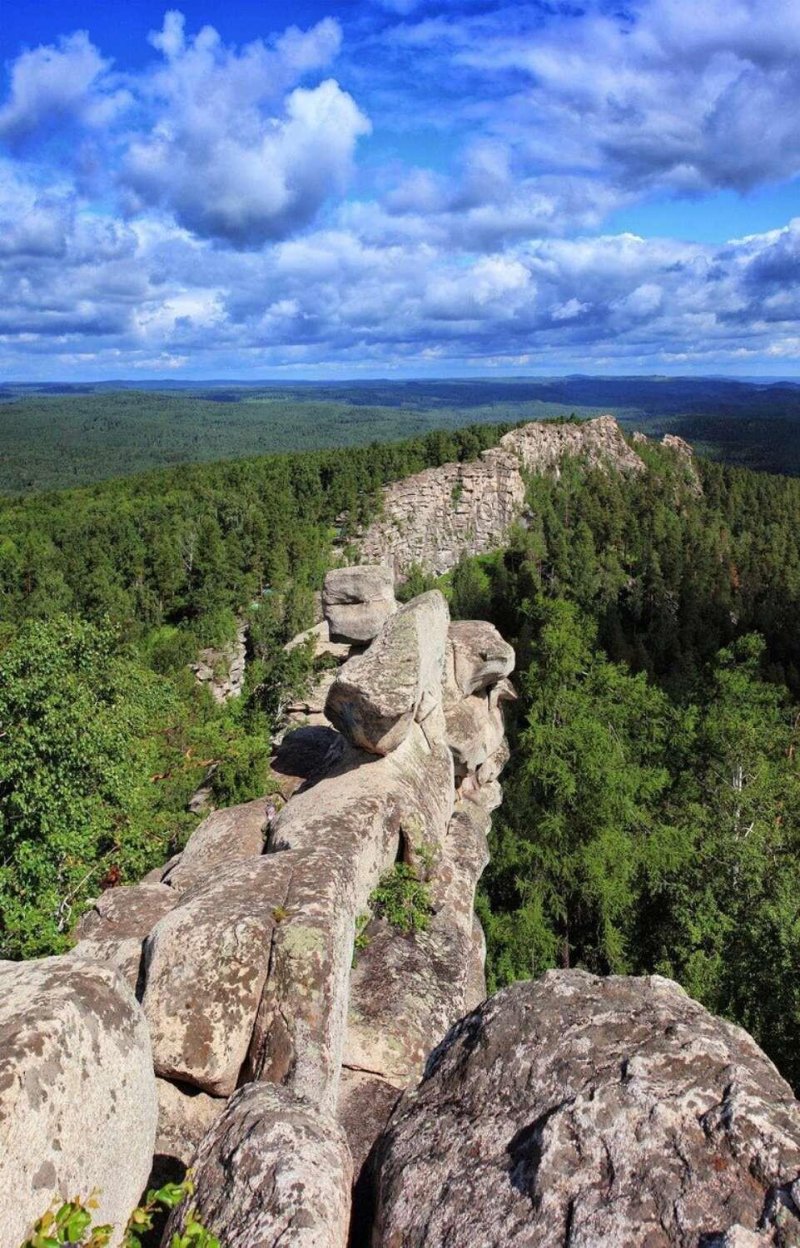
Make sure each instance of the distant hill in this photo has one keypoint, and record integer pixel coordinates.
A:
(59, 435)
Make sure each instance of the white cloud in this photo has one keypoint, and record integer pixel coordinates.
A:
(52, 85)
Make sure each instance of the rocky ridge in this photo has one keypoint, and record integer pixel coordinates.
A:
(257, 1029)
(222, 1013)
(433, 518)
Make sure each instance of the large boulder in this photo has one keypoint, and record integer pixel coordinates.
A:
(273, 1170)
(206, 964)
(226, 835)
(477, 656)
(594, 1113)
(357, 601)
(115, 928)
(376, 696)
(77, 1092)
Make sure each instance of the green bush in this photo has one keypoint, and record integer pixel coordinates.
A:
(402, 899)
(70, 1225)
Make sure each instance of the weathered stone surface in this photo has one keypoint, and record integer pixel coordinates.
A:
(436, 516)
(207, 962)
(364, 1107)
(273, 1170)
(407, 989)
(115, 928)
(77, 1092)
(222, 670)
(184, 1116)
(320, 638)
(357, 601)
(376, 696)
(360, 583)
(353, 822)
(594, 1113)
(475, 732)
(478, 654)
(304, 755)
(225, 836)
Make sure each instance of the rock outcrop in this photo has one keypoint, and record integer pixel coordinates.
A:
(594, 1113)
(77, 1092)
(273, 1170)
(278, 1053)
(222, 670)
(433, 518)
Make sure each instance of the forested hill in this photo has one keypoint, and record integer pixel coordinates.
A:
(58, 436)
(652, 815)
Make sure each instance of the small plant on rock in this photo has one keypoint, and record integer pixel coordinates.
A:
(402, 899)
(70, 1225)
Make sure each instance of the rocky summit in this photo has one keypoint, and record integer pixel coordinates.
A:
(295, 1005)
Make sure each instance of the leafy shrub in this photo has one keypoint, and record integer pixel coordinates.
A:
(402, 899)
(70, 1225)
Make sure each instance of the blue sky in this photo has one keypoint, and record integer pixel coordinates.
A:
(399, 188)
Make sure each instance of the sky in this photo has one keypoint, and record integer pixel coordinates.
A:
(399, 188)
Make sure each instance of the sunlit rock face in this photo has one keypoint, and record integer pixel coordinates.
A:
(595, 1113)
(436, 516)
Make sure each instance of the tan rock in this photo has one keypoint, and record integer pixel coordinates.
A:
(376, 696)
(184, 1116)
(478, 654)
(115, 928)
(207, 962)
(225, 836)
(77, 1092)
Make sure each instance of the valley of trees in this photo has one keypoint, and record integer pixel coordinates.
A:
(651, 820)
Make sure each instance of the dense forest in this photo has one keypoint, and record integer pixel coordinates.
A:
(60, 436)
(651, 820)
(106, 595)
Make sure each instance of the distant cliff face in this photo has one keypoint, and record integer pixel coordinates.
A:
(433, 518)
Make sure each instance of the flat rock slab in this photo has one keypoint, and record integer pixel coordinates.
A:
(115, 929)
(592, 1113)
(77, 1092)
(376, 696)
(272, 1171)
(235, 832)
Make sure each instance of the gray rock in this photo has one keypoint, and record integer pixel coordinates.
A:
(478, 654)
(475, 733)
(273, 1170)
(376, 696)
(360, 583)
(358, 622)
(357, 601)
(349, 828)
(223, 837)
(594, 1113)
(406, 989)
(115, 929)
(77, 1092)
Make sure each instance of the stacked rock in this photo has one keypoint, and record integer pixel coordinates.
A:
(241, 949)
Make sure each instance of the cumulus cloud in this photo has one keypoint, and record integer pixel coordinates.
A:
(53, 85)
(230, 153)
(656, 93)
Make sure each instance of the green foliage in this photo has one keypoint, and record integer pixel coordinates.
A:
(70, 1224)
(651, 820)
(402, 899)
